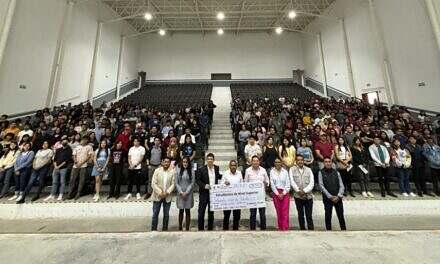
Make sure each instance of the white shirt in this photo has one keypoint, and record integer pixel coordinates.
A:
(251, 151)
(182, 139)
(211, 173)
(136, 154)
(232, 178)
(279, 180)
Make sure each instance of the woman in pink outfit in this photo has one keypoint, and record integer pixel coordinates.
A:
(280, 184)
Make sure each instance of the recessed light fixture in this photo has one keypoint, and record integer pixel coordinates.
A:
(148, 16)
(220, 15)
(292, 14)
(279, 30)
(162, 32)
(220, 31)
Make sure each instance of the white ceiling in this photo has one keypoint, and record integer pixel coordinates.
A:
(200, 15)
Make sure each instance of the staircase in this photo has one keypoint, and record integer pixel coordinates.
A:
(221, 142)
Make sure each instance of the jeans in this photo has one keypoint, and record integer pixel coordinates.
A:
(77, 177)
(57, 176)
(151, 170)
(364, 179)
(5, 178)
(382, 175)
(115, 180)
(203, 204)
(253, 218)
(435, 176)
(346, 179)
(40, 174)
(403, 176)
(418, 176)
(21, 179)
(134, 177)
(328, 207)
(156, 211)
(305, 206)
(235, 219)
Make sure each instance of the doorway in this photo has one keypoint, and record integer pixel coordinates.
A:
(371, 97)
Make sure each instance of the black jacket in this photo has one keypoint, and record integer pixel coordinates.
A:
(202, 178)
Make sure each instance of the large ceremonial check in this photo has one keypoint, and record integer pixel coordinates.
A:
(237, 196)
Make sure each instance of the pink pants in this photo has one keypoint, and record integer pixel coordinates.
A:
(282, 208)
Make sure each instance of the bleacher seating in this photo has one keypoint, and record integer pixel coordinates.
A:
(253, 90)
(171, 96)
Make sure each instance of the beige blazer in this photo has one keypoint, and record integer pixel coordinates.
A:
(157, 183)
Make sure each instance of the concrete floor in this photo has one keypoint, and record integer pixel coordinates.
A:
(219, 247)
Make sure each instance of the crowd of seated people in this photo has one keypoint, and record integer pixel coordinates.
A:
(363, 141)
(89, 145)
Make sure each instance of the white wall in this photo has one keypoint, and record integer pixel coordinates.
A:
(413, 52)
(29, 55)
(365, 60)
(409, 42)
(30, 51)
(3, 10)
(247, 56)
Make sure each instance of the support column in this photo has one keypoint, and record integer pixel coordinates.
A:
(120, 61)
(94, 63)
(435, 20)
(59, 56)
(324, 73)
(348, 59)
(386, 67)
(6, 28)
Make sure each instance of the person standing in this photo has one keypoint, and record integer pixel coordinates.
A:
(432, 153)
(280, 185)
(135, 157)
(343, 157)
(61, 159)
(252, 149)
(381, 158)
(154, 156)
(22, 170)
(232, 176)
(184, 185)
(101, 159)
(162, 184)
(417, 166)
(361, 158)
(7, 162)
(81, 155)
(402, 162)
(302, 182)
(287, 153)
(332, 190)
(117, 160)
(41, 165)
(206, 176)
(256, 173)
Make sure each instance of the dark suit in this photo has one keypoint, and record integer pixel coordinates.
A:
(202, 178)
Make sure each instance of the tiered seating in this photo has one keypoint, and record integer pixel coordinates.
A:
(269, 90)
(171, 96)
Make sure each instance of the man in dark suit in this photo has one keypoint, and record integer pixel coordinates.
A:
(206, 176)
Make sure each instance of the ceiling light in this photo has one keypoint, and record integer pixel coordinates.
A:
(279, 30)
(162, 32)
(292, 14)
(220, 15)
(148, 16)
(220, 31)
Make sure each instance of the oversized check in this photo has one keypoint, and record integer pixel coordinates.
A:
(237, 196)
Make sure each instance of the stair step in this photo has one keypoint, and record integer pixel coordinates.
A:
(225, 131)
(220, 136)
(217, 147)
(223, 152)
(221, 141)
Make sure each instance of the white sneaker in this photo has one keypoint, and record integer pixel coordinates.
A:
(50, 197)
(19, 197)
(96, 198)
(370, 195)
(60, 197)
(13, 197)
(128, 196)
(138, 196)
(364, 194)
(412, 194)
(405, 194)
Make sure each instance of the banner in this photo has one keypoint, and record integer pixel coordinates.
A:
(237, 196)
